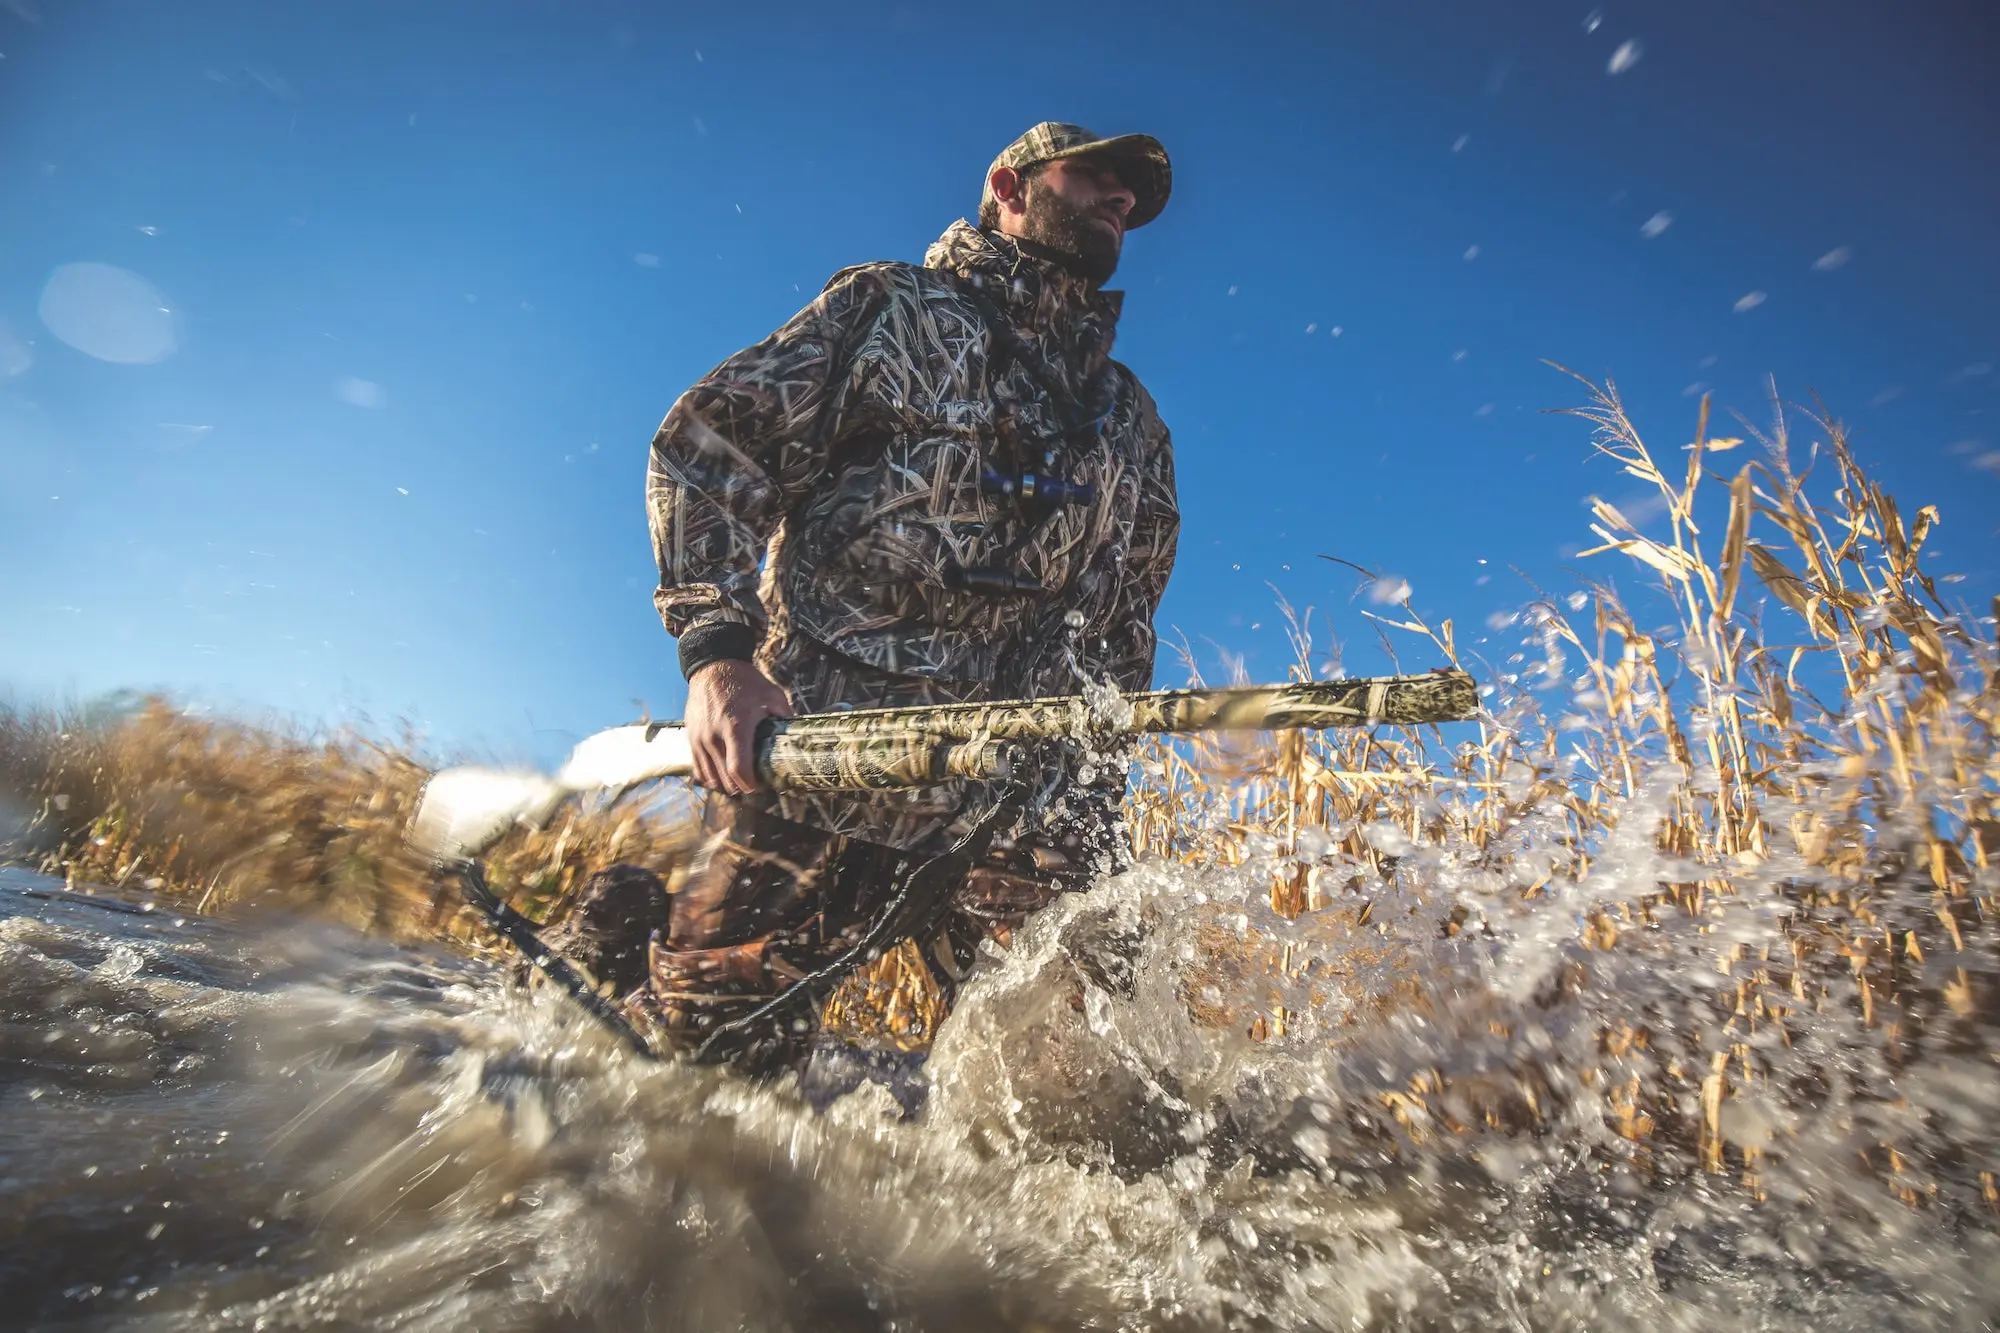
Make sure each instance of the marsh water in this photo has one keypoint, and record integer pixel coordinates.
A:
(271, 1123)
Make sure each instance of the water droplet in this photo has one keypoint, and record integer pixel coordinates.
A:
(109, 313)
(359, 393)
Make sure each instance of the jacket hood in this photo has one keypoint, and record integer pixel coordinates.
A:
(1072, 322)
(1027, 284)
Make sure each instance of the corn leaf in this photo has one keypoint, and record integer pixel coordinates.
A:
(1734, 541)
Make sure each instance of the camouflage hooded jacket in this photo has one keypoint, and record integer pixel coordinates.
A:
(835, 488)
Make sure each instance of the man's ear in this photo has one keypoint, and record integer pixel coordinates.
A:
(1005, 183)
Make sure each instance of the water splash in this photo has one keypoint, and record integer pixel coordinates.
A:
(225, 1127)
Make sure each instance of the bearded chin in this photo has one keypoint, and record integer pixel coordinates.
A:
(1053, 221)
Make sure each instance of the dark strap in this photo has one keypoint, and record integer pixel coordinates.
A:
(917, 909)
(523, 935)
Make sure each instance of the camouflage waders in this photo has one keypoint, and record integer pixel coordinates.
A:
(768, 901)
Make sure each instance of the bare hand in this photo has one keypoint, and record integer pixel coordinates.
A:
(726, 701)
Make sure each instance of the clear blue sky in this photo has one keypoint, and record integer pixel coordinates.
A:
(433, 270)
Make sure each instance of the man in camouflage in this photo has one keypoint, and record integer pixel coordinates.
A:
(933, 485)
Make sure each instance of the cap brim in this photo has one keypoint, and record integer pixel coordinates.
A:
(1144, 165)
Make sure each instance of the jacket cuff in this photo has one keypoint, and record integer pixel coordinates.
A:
(716, 641)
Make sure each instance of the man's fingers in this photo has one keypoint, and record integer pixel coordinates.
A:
(727, 765)
(704, 762)
(712, 761)
(716, 759)
(736, 763)
(747, 756)
(727, 703)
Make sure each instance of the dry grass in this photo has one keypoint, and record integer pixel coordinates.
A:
(1836, 731)
(222, 815)
(1845, 742)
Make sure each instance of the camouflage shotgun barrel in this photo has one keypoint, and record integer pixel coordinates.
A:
(467, 809)
(906, 747)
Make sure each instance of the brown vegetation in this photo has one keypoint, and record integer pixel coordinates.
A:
(1846, 738)
(222, 815)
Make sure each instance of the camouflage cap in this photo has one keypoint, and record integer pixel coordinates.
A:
(1142, 163)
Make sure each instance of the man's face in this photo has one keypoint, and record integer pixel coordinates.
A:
(1077, 205)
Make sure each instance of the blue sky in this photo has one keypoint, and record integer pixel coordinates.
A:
(433, 270)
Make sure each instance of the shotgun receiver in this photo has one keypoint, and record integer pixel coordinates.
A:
(465, 810)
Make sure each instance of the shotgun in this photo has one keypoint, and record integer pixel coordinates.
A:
(465, 810)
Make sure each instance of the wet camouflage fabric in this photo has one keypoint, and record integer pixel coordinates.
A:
(609, 931)
(767, 902)
(823, 486)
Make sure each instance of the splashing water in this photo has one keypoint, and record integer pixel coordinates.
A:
(214, 1126)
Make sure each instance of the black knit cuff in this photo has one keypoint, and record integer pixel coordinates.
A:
(715, 642)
